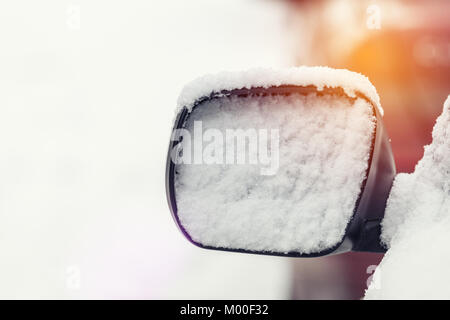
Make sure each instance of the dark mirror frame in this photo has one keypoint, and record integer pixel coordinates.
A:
(364, 228)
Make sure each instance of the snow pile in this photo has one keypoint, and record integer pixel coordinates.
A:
(324, 147)
(320, 77)
(416, 226)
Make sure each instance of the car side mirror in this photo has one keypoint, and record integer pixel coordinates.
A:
(293, 162)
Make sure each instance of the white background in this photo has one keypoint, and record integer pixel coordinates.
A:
(87, 95)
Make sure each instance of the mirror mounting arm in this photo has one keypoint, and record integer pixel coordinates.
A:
(365, 228)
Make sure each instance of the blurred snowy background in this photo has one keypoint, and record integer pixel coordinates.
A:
(87, 97)
(87, 94)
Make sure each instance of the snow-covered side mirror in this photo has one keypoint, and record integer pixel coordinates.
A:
(291, 162)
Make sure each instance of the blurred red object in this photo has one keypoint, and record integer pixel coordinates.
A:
(406, 55)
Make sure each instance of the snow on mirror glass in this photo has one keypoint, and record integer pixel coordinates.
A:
(273, 173)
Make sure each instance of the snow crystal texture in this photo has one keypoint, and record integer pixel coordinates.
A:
(321, 77)
(416, 227)
(324, 147)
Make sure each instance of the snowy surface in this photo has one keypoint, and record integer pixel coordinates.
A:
(324, 147)
(320, 77)
(416, 226)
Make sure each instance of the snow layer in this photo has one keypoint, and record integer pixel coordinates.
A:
(416, 227)
(305, 207)
(320, 77)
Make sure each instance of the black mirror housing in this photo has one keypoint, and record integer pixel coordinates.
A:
(364, 227)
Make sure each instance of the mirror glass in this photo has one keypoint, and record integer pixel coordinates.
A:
(272, 173)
